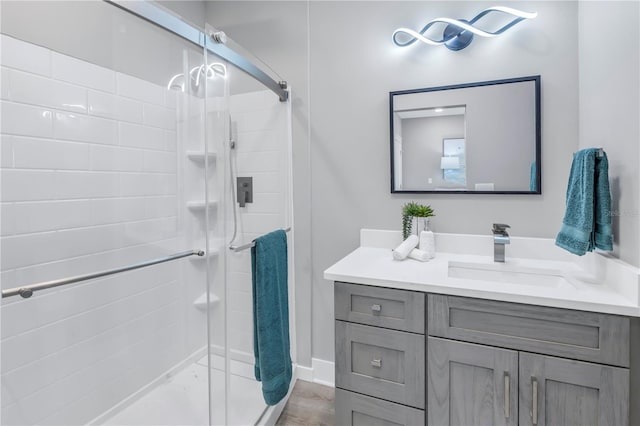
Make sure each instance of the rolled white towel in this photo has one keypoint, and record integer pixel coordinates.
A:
(428, 243)
(402, 251)
(420, 255)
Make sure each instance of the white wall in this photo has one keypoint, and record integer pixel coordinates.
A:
(89, 182)
(610, 109)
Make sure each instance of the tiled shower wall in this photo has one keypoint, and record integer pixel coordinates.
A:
(89, 182)
(260, 128)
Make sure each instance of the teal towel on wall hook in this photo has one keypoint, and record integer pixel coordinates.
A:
(587, 220)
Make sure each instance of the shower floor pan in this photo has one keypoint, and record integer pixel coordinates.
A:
(182, 400)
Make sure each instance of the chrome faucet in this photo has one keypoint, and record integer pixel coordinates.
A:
(500, 239)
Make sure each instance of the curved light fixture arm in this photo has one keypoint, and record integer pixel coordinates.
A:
(211, 71)
(171, 85)
(459, 33)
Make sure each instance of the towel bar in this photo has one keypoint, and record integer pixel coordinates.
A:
(27, 290)
(249, 245)
(600, 152)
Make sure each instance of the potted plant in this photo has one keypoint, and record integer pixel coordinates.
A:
(413, 210)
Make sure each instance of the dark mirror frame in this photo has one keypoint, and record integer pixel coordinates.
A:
(535, 79)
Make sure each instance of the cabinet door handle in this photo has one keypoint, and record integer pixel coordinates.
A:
(507, 395)
(376, 363)
(376, 307)
(534, 403)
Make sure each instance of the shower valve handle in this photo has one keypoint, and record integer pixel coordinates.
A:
(245, 190)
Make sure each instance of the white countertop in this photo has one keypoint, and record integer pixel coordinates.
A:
(595, 282)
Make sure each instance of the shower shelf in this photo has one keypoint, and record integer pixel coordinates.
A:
(201, 302)
(199, 156)
(200, 205)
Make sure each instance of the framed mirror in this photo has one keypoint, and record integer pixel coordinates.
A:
(480, 138)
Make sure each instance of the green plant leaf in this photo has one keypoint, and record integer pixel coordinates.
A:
(413, 209)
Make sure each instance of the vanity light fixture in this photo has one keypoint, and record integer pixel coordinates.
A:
(458, 33)
(212, 70)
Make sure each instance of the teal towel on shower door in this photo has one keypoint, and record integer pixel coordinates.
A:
(587, 220)
(271, 315)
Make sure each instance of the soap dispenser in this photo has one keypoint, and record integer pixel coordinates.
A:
(428, 243)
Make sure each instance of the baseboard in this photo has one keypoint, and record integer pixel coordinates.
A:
(321, 372)
(305, 373)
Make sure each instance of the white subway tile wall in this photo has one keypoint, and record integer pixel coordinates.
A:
(25, 56)
(89, 182)
(18, 119)
(82, 73)
(261, 152)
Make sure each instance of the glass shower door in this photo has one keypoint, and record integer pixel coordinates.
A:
(257, 146)
(104, 166)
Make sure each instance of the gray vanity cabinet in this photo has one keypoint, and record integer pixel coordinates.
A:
(553, 386)
(487, 362)
(471, 384)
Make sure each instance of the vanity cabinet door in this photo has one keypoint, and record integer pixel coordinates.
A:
(556, 391)
(471, 384)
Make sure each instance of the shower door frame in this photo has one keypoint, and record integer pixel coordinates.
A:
(167, 21)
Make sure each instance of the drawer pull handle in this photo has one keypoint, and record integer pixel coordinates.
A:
(376, 363)
(376, 307)
(534, 403)
(507, 394)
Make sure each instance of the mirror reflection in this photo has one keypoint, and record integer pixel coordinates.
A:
(477, 137)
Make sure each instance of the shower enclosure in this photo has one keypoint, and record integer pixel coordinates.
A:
(123, 131)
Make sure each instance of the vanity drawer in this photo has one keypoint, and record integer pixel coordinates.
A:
(587, 336)
(381, 307)
(384, 363)
(353, 409)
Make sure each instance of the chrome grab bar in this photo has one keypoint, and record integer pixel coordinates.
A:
(249, 245)
(27, 290)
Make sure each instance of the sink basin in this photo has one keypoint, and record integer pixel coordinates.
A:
(505, 273)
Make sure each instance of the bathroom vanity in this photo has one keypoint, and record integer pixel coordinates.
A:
(423, 343)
